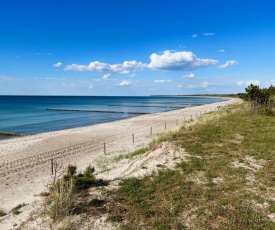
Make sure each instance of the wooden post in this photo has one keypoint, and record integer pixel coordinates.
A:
(177, 122)
(151, 131)
(165, 125)
(52, 165)
(133, 138)
(191, 116)
(104, 148)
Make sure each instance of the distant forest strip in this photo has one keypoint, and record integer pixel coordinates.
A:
(92, 111)
(150, 106)
(215, 95)
(10, 134)
(202, 95)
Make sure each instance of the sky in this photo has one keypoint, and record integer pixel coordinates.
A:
(135, 48)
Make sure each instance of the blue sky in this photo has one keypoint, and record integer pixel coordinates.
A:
(144, 47)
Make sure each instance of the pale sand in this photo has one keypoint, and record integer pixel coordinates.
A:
(25, 167)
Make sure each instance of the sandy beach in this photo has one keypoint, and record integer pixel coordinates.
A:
(25, 162)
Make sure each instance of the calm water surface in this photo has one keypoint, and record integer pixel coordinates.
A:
(28, 114)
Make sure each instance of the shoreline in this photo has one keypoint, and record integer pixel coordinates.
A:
(25, 161)
(41, 125)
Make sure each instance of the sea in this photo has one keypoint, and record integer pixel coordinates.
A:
(31, 114)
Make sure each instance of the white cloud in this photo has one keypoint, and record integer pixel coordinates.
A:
(204, 84)
(194, 35)
(178, 61)
(68, 85)
(106, 76)
(6, 78)
(125, 83)
(109, 68)
(228, 63)
(208, 34)
(162, 81)
(133, 75)
(246, 83)
(58, 64)
(222, 51)
(190, 75)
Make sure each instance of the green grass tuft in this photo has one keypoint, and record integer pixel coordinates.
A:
(16, 210)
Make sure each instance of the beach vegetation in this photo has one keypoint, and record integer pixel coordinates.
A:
(2, 213)
(16, 210)
(260, 100)
(66, 193)
(227, 182)
(131, 155)
(136, 153)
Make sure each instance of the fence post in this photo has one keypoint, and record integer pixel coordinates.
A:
(191, 116)
(133, 138)
(104, 148)
(52, 165)
(151, 131)
(177, 122)
(165, 125)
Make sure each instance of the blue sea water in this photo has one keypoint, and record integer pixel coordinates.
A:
(28, 114)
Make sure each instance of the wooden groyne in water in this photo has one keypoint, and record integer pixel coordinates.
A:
(150, 106)
(93, 111)
(11, 134)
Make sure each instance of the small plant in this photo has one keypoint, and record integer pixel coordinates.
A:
(97, 202)
(16, 210)
(136, 153)
(2, 213)
(115, 218)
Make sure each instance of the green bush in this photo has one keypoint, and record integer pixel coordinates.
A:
(81, 180)
(260, 100)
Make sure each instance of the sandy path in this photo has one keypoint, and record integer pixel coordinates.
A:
(25, 167)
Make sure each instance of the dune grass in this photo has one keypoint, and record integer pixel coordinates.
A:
(227, 183)
(16, 210)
